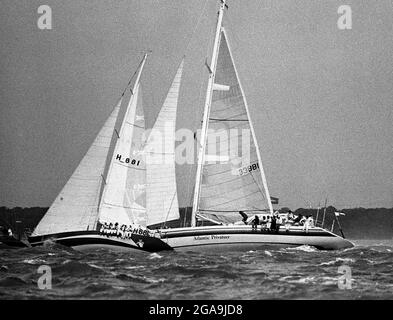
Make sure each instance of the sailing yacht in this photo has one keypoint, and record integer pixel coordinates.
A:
(124, 191)
(103, 204)
(234, 182)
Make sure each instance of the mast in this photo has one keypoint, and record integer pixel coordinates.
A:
(138, 78)
(324, 213)
(209, 95)
(316, 219)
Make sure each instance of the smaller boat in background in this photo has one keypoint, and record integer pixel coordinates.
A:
(8, 240)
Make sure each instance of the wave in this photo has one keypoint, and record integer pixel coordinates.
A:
(304, 248)
(290, 273)
(76, 268)
(268, 253)
(12, 281)
(337, 261)
(34, 261)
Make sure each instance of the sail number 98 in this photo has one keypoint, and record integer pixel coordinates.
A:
(246, 170)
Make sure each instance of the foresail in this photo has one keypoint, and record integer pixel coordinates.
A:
(161, 196)
(76, 207)
(232, 180)
(123, 198)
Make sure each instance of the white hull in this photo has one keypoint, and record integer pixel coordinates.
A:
(244, 238)
(90, 240)
(221, 238)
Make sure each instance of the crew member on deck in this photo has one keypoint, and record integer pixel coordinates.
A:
(290, 216)
(269, 222)
(255, 223)
(297, 220)
(307, 224)
(244, 216)
(273, 224)
(263, 223)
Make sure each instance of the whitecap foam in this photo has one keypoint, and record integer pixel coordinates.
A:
(268, 253)
(304, 248)
(34, 261)
(134, 267)
(152, 280)
(345, 260)
(337, 260)
(328, 281)
(329, 263)
(155, 255)
(303, 280)
(95, 266)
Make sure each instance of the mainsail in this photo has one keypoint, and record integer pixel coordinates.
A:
(232, 177)
(76, 207)
(161, 195)
(123, 198)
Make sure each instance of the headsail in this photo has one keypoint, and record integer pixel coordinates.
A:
(161, 196)
(232, 177)
(76, 207)
(123, 198)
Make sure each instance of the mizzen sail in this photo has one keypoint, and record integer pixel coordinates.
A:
(161, 196)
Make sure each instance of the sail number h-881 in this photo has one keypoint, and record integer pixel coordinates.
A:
(128, 160)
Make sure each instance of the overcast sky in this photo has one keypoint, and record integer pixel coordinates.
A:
(321, 98)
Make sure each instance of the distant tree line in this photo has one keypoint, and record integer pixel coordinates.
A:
(358, 223)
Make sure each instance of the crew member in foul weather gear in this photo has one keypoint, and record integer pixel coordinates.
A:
(255, 223)
(245, 217)
(273, 223)
(297, 219)
(307, 224)
(268, 222)
(263, 222)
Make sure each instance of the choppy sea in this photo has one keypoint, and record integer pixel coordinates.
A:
(363, 272)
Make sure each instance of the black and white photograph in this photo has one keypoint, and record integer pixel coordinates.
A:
(212, 151)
